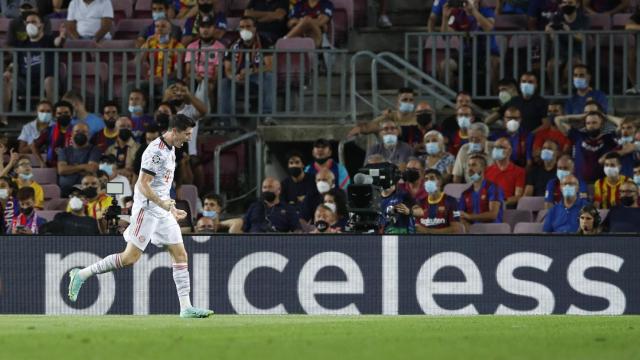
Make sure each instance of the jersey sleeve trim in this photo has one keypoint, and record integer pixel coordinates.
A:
(146, 171)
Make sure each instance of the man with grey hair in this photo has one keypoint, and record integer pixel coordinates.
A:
(392, 149)
(478, 144)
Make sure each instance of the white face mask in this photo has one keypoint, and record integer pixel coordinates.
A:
(75, 203)
(4, 193)
(513, 125)
(331, 206)
(246, 35)
(323, 187)
(32, 30)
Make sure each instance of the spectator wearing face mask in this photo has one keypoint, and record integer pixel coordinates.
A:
(478, 144)
(125, 148)
(322, 159)
(623, 218)
(520, 140)
(76, 160)
(5, 169)
(298, 185)
(57, 136)
(325, 221)
(543, 171)
(160, 9)
(213, 207)
(553, 193)
(554, 109)
(32, 130)
(399, 210)
(590, 144)
(337, 204)
(636, 173)
(24, 178)
(206, 225)
(584, 92)
(74, 221)
(107, 136)
(413, 180)
(459, 137)
(161, 40)
(507, 90)
(325, 183)
(9, 207)
(27, 222)
(483, 200)
(563, 217)
(17, 28)
(96, 200)
(440, 213)
(607, 190)
(437, 157)
(504, 173)
(108, 165)
(532, 106)
(269, 214)
(140, 121)
(203, 57)
(628, 146)
(195, 19)
(392, 150)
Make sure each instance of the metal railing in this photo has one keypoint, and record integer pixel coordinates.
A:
(257, 162)
(612, 56)
(301, 83)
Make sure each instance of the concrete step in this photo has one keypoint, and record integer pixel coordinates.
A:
(377, 40)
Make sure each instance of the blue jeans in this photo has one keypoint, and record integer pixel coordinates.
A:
(267, 93)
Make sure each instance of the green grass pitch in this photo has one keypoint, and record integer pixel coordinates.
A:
(319, 337)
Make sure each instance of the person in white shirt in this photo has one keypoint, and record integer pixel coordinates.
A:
(90, 19)
(32, 130)
(108, 165)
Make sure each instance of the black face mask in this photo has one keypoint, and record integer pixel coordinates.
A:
(410, 175)
(322, 226)
(177, 103)
(64, 120)
(90, 192)
(321, 161)
(423, 119)
(80, 139)
(27, 211)
(593, 133)
(162, 120)
(268, 196)
(205, 8)
(124, 134)
(626, 200)
(569, 9)
(294, 171)
(110, 124)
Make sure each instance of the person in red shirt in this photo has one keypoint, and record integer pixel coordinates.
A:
(555, 108)
(504, 173)
(464, 117)
(413, 177)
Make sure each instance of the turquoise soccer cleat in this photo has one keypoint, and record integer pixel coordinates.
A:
(195, 313)
(75, 283)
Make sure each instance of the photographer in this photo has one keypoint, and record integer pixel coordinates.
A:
(570, 17)
(398, 211)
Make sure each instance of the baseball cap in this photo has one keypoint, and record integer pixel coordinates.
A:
(207, 21)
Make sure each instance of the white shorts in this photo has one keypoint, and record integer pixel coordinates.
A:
(148, 226)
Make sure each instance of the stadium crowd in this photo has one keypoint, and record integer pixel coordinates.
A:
(453, 173)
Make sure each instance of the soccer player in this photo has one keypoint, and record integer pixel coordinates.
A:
(155, 218)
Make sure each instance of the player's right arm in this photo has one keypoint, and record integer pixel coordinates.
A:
(144, 186)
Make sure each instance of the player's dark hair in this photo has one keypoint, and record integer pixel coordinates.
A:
(593, 102)
(435, 172)
(252, 19)
(507, 82)
(405, 90)
(215, 197)
(111, 103)
(612, 155)
(26, 193)
(295, 153)
(62, 103)
(181, 122)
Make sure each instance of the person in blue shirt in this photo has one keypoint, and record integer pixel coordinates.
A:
(564, 216)
(520, 139)
(140, 120)
(584, 92)
(95, 122)
(553, 192)
(483, 200)
(322, 160)
(269, 214)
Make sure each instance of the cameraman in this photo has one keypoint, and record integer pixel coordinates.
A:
(398, 211)
(570, 17)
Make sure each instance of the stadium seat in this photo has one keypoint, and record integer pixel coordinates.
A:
(117, 56)
(190, 194)
(128, 29)
(236, 7)
(47, 214)
(619, 21)
(455, 190)
(56, 204)
(232, 23)
(4, 26)
(95, 74)
(512, 217)
(142, 9)
(528, 228)
(435, 50)
(599, 22)
(511, 22)
(359, 12)
(347, 6)
(482, 228)
(51, 191)
(45, 175)
(603, 213)
(119, 78)
(531, 203)
(296, 68)
(55, 25)
(541, 215)
(232, 161)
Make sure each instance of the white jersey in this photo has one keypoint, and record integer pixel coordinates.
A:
(159, 161)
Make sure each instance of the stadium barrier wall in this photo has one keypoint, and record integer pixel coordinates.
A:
(345, 274)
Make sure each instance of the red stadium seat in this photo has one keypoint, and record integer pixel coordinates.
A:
(232, 161)
(143, 9)
(128, 29)
(528, 228)
(455, 190)
(295, 67)
(122, 9)
(94, 74)
(236, 7)
(56, 204)
(599, 22)
(119, 56)
(51, 191)
(531, 203)
(47, 214)
(511, 22)
(620, 20)
(4, 26)
(435, 50)
(190, 194)
(119, 78)
(512, 217)
(541, 215)
(482, 228)
(45, 175)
